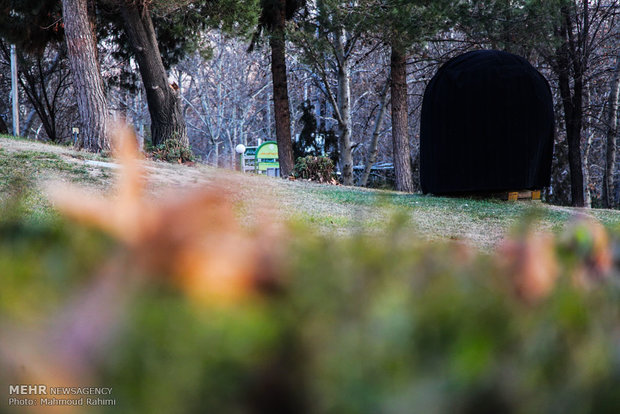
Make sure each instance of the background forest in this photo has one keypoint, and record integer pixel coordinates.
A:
(354, 76)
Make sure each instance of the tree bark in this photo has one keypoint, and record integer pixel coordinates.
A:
(277, 43)
(373, 149)
(400, 121)
(611, 120)
(4, 129)
(28, 122)
(87, 80)
(164, 104)
(567, 61)
(589, 135)
(573, 120)
(344, 108)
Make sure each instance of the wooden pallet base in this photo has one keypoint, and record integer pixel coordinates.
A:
(533, 195)
(521, 195)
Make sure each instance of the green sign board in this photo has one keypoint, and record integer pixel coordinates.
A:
(267, 157)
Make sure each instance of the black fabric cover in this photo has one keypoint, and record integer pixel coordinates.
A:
(487, 125)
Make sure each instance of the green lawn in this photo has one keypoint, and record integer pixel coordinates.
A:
(332, 209)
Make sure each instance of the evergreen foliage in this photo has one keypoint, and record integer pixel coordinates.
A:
(179, 27)
(523, 27)
(314, 140)
(270, 10)
(31, 24)
(407, 22)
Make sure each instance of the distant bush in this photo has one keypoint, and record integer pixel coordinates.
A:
(320, 169)
(172, 150)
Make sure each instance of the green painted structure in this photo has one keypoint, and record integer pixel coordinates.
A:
(262, 159)
(267, 161)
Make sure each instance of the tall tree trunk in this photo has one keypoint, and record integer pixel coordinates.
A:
(373, 149)
(400, 121)
(344, 109)
(232, 139)
(573, 120)
(281, 109)
(4, 129)
(28, 122)
(87, 80)
(14, 91)
(216, 154)
(587, 193)
(572, 101)
(163, 101)
(611, 120)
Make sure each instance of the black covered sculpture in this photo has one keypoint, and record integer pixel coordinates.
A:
(487, 125)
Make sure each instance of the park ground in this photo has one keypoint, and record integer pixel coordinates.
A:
(327, 208)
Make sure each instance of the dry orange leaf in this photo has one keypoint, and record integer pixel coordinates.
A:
(531, 264)
(193, 237)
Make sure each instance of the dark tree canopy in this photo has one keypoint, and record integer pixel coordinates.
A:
(179, 29)
(31, 24)
(270, 10)
(314, 139)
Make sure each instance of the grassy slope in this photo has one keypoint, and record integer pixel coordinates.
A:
(328, 208)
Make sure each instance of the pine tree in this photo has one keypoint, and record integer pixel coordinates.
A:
(403, 24)
(158, 35)
(273, 18)
(31, 24)
(87, 80)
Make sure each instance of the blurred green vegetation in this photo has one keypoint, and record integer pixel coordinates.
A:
(43, 259)
(365, 323)
(315, 168)
(172, 150)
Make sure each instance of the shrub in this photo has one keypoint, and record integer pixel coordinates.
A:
(173, 150)
(313, 168)
(251, 322)
(360, 324)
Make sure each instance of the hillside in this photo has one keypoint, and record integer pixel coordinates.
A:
(334, 209)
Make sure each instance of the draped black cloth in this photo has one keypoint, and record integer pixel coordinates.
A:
(487, 125)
